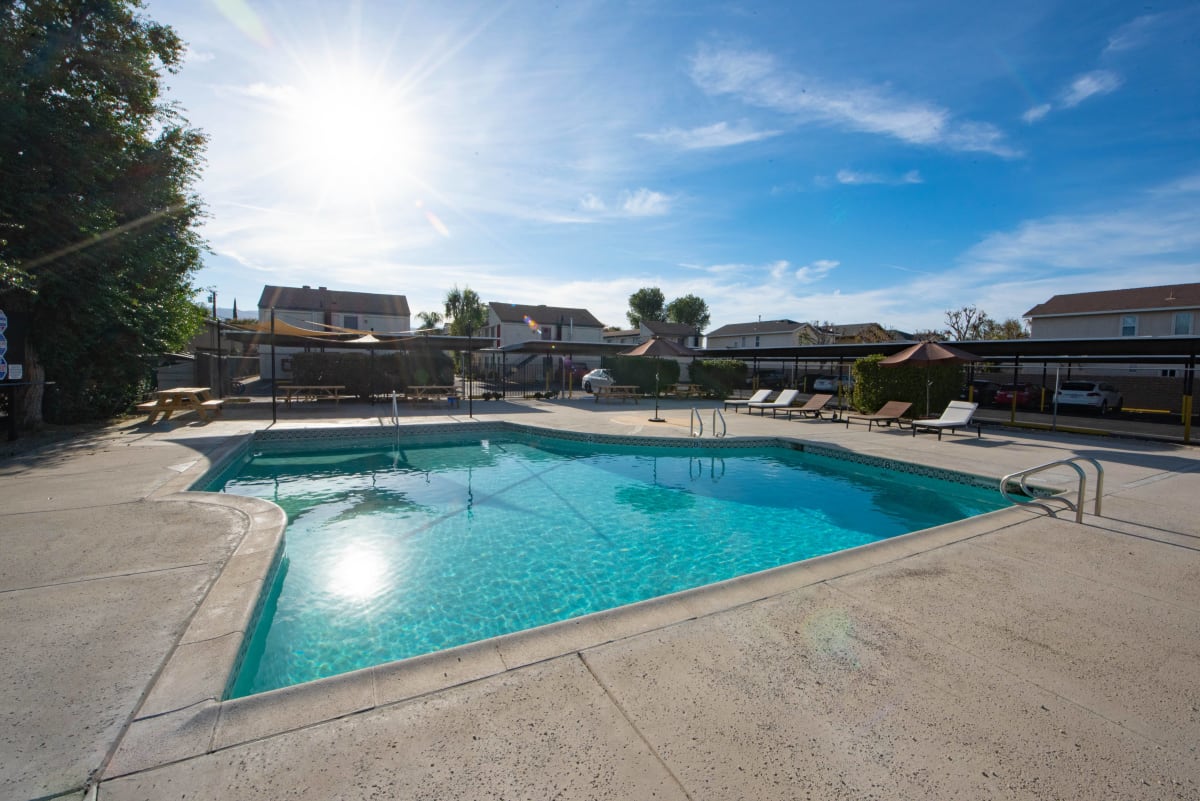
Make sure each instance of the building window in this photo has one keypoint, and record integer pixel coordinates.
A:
(757, 341)
(350, 321)
(1129, 325)
(1183, 323)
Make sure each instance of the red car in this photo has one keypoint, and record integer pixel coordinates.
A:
(1028, 395)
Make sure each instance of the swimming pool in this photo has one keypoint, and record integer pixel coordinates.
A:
(392, 552)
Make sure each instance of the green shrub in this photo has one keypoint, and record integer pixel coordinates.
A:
(640, 370)
(875, 385)
(719, 376)
(362, 373)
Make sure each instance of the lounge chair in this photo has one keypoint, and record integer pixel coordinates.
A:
(786, 398)
(758, 397)
(811, 408)
(889, 413)
(957, 415)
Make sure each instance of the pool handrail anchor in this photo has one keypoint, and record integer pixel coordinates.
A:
(695, 420)
(724, 428)
(1080, 498)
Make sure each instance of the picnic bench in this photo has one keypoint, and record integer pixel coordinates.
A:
(432, 392)
(619, 392)
(311, 392)
(167, 402)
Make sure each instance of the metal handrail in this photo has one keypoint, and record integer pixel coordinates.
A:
(695, 418)
(724, 428)
(1080, 499)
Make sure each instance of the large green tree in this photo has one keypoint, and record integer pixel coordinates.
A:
(648, 303)
(689, 310)
(98, 245)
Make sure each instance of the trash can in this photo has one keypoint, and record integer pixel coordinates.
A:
(452, 401)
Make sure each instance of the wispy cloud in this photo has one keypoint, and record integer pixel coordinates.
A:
(720, 134)
(1037, 112)
(856, 177)
(645, 203)
(1133, 34)
(1090, 84)
(811, 273)
(757, 79)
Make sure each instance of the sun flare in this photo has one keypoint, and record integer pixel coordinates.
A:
(349, 137)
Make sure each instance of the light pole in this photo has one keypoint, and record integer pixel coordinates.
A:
(656, 418)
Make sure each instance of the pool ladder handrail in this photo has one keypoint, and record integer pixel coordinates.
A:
(724, 428)
(696, 420)
(1080, 499)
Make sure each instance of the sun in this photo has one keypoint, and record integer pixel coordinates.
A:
(348, 136)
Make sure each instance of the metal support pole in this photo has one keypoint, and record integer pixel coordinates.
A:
(274, 383)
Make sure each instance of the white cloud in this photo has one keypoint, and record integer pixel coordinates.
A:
(811, 273)
(645, 203)
(1133, 34)
(281, 94)
(720, 134)
(590, 202)
(1036, 112)
(756, 79)
(1090, 84)
(854, 177)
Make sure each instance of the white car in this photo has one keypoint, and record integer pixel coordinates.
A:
(598, 378)
(829, 383)
(1095, 395)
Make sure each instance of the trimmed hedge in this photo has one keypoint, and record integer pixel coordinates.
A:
(875, 385)
(391, 371)
(640, 370)
(719, 376)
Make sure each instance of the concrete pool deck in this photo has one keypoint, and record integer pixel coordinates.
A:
(1015, 656)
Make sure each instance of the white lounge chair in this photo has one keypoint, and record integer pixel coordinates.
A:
(957, 415)
(786, 398)
(758, 397)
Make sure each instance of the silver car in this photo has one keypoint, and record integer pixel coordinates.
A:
(1098, 396)
(598, 378)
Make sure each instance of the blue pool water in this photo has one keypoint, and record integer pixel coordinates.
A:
(394, 553)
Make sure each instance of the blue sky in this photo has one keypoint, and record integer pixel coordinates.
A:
(845, 162)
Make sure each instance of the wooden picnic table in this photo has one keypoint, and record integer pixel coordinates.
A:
(622, 391)
(311, 392)
(431, 391)
(182, 399)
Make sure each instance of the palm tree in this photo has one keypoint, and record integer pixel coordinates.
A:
(465, 311)
(429, 320)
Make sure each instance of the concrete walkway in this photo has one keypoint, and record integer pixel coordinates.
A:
(1020, 656)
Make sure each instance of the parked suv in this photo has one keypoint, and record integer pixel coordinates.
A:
(597, 378)
(1098, 396)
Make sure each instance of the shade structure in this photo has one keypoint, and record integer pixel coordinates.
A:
(927, 354)
(661, 348)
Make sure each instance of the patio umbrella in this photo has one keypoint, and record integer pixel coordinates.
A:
(927, 354)
(656, 348)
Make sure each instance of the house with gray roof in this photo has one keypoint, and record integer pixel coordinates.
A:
(324, 309)
(679, 333)
(1155, 311)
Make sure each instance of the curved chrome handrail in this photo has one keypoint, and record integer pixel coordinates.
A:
(695, 417)
(1080, 498)
(724, 428)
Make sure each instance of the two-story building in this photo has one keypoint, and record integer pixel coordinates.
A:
(679, 333)
(510, 324)
(1155, 311)
(324, 309)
